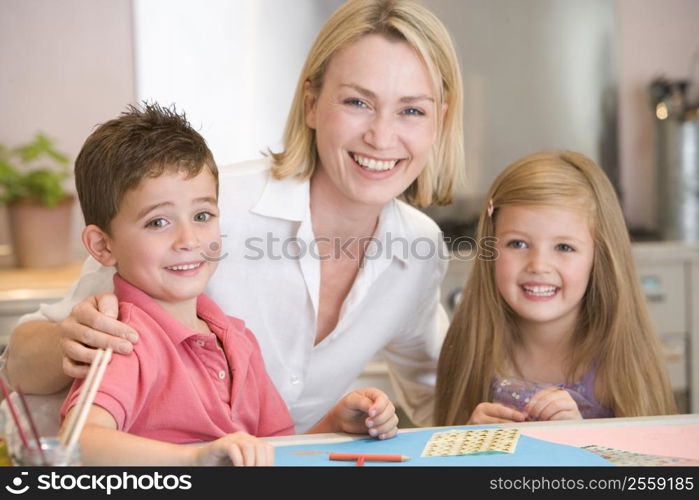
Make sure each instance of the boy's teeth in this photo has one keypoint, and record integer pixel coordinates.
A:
(543, 291)
(185, 267)
(371, 164)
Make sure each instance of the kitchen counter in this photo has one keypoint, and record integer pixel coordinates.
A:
(18, 282)
(23, 290)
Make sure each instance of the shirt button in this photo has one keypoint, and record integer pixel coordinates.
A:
(295, 380)
(222, 374)
(200, 343)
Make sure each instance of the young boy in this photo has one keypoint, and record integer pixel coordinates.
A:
(148, 188)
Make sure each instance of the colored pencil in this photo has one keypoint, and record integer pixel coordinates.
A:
(13, 411)
(32, 425)
(368, 457)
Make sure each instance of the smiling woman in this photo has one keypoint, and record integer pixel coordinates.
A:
(374, 131)
(404, 32)
(376, 116)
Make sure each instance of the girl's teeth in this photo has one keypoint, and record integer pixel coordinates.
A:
(376, 165)
(541, 291)
(185, 267)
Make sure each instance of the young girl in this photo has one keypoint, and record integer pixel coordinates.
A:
(555, 325)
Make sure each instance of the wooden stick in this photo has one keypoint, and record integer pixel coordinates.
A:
(70, 424)
(87, 403)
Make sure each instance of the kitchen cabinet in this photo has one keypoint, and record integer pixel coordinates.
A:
(669, 276)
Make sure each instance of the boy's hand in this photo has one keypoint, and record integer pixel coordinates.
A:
(366, 410)
(92, 324)
(239, 449)
(553, 403)
(491, 413)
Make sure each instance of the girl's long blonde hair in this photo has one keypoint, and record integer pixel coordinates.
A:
(614, 331)
(402, 20)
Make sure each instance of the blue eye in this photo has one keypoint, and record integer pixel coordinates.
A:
(413, 112)
(158, 223)
(203, 216)
(516, 244)
(353, 101)
(564, 247)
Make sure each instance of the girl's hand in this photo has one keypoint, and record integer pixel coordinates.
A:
(239, 449)
(92, 324)
(492, 413)
(553, 403)
(364, 411)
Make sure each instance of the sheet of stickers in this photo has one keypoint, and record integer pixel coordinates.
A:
(623, 457)
(460, 442)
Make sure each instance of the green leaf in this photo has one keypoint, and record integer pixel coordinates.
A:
(34, 170)
(44, 186)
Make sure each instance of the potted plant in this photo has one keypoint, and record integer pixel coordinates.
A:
(32, 178)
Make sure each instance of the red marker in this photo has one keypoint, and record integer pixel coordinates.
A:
(368, 457)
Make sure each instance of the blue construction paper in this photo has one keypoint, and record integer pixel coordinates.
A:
(529, 452)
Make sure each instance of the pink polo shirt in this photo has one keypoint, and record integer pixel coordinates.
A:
(176, 385)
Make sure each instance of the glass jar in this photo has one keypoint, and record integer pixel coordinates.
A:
(54, 454)
(4, 453)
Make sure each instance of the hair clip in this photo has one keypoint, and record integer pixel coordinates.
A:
(490, 208)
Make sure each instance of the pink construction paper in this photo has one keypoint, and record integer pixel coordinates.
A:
(680, 441)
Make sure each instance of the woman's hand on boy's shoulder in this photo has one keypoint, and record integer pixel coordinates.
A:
(92, 325)
(364, 411)
(238, 449)
(493, 413)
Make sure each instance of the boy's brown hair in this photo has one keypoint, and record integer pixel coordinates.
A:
(144, 141)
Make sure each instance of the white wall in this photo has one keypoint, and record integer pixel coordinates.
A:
(66, 66)
(231, 65)
(656, 37)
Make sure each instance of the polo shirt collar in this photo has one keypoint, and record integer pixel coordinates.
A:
(175, 330)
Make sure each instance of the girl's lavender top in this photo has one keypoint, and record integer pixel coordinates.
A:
(516, 393)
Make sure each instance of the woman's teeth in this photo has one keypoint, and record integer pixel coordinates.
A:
(185, 267)
(540, 291)
(372, 164)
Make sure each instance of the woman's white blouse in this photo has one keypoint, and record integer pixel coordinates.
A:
(269, 276)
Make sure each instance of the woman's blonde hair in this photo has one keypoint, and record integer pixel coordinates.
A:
(400, 20)
(614, 332)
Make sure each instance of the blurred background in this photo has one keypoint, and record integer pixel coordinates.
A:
(538, 74)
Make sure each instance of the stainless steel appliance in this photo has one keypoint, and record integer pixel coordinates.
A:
(677, 160)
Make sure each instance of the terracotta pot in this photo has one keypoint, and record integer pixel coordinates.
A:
(40, 236)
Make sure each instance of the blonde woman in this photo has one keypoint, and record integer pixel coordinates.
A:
(555, 326)
(320, 258)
